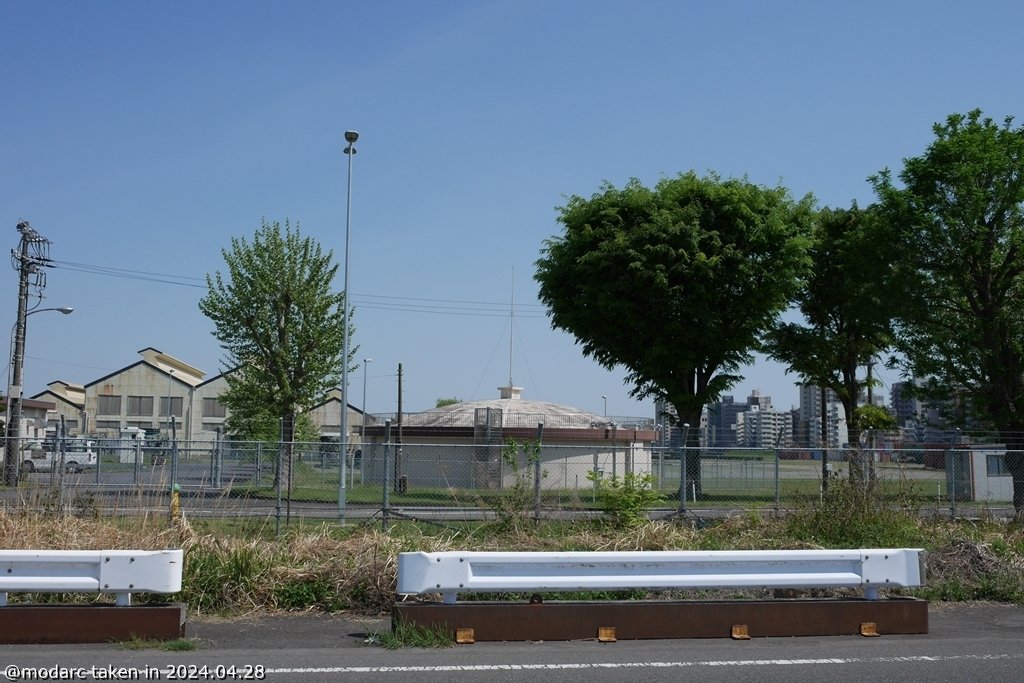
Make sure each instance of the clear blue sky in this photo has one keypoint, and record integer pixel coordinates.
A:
(143, 136)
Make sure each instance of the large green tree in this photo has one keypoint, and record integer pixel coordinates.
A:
(961, 209)
(280, 326)
(848, 305)
(675, 283)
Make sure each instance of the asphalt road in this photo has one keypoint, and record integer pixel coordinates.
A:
(974, 642)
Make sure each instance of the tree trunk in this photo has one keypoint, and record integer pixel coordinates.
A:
(283, 473)
(690, 453)
(858, 468)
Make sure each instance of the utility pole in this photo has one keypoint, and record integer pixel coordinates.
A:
(32, 255)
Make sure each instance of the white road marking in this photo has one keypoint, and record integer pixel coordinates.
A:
(635, 665)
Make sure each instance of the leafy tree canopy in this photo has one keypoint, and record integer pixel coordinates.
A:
(676, 283)
(848, 303)
(961, 210)
(442, 402)
(279, 324)
(874, 417)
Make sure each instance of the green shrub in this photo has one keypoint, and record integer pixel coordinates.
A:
(625, 501)
(850, 515)
(514, 504)
(304, 593)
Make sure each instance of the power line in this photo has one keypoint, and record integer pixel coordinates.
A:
(382, 302)
(130, 274)
(504, 305)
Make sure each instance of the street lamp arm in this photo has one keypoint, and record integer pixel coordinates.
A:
(12, 426)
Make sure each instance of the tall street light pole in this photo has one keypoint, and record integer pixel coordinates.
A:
(12, 458)
(350, 137)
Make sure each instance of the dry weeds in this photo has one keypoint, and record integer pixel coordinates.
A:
(354, 569)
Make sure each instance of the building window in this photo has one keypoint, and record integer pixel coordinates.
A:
(108, 405)
(996, 465)
(175, 406)
(213, 408)
(147, 424)
(140, 405)
(108, 424)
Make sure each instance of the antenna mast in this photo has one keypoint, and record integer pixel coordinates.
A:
(511, 324)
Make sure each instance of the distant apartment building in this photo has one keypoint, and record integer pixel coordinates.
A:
(927, 420)
(809, 423)
(723, 416)
(911, 410)
(760, 427)
(729, 428)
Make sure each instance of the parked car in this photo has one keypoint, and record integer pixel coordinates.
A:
(79, 455)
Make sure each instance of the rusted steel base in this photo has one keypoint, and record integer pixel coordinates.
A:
(90, 623)
(630, 620)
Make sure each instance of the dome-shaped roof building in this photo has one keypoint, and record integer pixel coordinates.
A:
(479, 444)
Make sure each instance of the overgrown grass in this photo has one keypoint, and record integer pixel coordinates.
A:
(403, 634)
(175, 645)
(234, 568)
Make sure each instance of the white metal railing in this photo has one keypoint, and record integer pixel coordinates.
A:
(121, 572)
(454, 572)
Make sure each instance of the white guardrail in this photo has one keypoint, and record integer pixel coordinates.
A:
(453, 572)
(121, 572)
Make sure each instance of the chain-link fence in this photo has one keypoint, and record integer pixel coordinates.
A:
(471, 480)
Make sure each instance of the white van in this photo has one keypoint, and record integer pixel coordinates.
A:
(79, 455)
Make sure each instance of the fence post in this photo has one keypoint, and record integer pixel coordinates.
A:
(174, 451)
(277, 477)
(387, 471)
(778, 482)
(218, 455)
(259, 463)
(138, 458)
(57, 469)
(213, 460)
(99, 462)
(615, 472)
(953, 471)
(536, 473)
